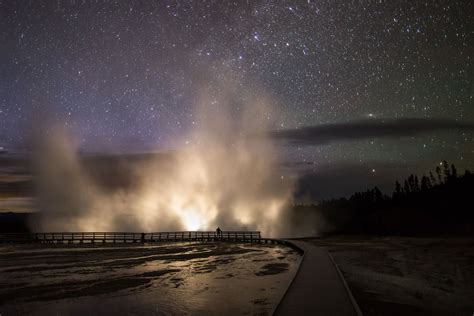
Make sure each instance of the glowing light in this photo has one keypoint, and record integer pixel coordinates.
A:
(192, 221)
(199, 187)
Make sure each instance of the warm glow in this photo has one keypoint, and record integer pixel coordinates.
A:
(222, 178)
(191, 220)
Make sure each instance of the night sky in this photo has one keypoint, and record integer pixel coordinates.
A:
(123, 75)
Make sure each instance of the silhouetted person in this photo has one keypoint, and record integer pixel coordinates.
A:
(219, 232)
(143, 237)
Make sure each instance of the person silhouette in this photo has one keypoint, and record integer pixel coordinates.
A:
(218, 232)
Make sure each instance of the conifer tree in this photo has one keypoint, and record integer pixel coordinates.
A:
(446, 171)
(454, 172)
(438, 173)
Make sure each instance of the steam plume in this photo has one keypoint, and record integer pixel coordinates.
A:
(222, 178)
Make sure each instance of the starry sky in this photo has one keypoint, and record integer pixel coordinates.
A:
(122, 74)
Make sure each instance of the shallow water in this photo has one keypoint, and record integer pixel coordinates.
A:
(172, 278)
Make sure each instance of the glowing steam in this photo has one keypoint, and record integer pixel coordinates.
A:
(224, 177)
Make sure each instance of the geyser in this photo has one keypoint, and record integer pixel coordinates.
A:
(224, 176)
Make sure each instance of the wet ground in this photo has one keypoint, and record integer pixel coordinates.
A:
(173, 278)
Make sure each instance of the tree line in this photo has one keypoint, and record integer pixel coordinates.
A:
(413, 185)
(438, 202)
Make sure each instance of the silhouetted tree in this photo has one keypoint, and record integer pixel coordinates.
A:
(413, 183)
(427, 206)
(425, 183)
(438, 173)
(446, 171)
(430, 185)
(406, 186)
(377, 195)
(416, 184)
(397, 194)
(454, 172)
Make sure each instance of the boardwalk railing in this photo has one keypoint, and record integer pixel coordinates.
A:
(125, 237)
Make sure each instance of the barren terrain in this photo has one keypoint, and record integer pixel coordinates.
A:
(406, 275)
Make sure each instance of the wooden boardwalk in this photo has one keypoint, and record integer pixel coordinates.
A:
(318, 288)
(133, 237)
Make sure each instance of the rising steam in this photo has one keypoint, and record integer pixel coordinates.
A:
(223, 177)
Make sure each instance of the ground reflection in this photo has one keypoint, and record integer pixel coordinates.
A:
(173, 278)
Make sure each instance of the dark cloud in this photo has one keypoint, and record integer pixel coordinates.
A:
(368, 128)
